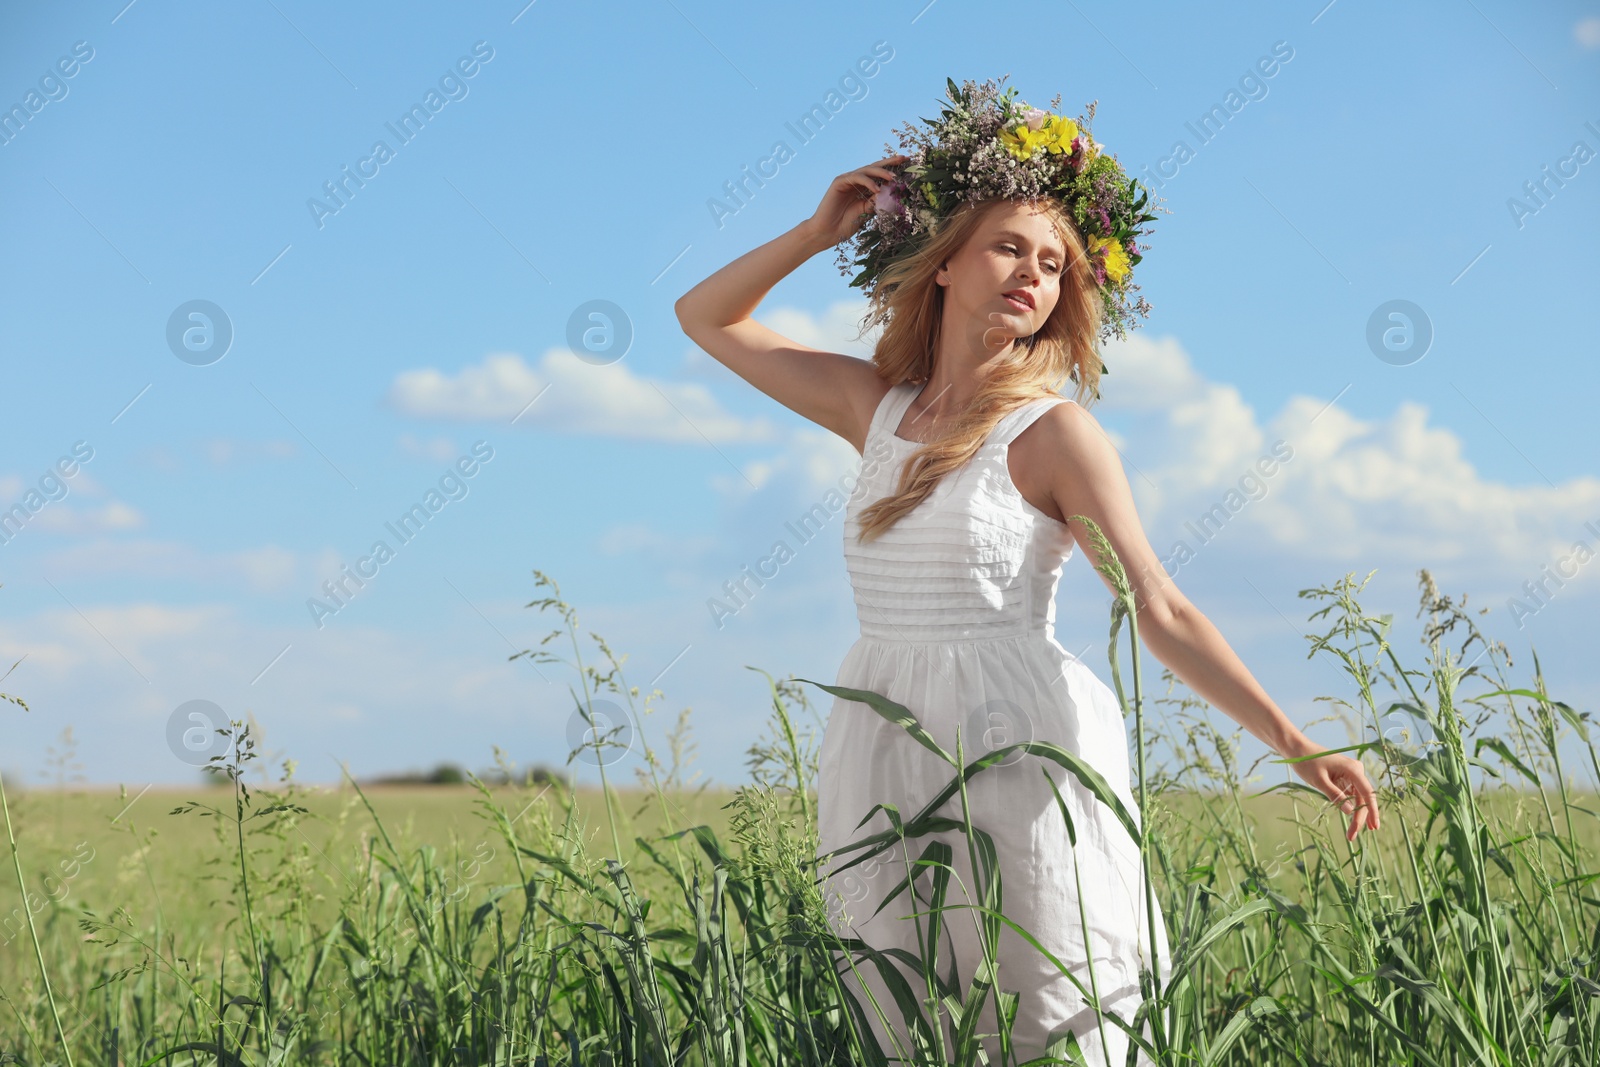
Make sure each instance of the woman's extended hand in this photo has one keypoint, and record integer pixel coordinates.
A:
(848, 201)
(1343, 780)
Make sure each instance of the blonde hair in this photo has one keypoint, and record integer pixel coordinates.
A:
(909, 302)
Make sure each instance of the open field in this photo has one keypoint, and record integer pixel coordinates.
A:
(261, 922)
(148, 847)
(151, 856)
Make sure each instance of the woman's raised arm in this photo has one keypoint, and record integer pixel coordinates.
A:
(834, 390)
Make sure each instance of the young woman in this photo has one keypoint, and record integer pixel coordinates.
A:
(954, 538)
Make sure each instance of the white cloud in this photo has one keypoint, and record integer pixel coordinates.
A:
(266, 569)
(498, 388)
(833, 331)
(357, 691)
(58, 642)
(1394, 490)
(1147, 374)
(1587, 31)
(66, 513)
(70, 519)
(575, 397)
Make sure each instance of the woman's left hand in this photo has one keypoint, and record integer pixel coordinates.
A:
(1344, 781)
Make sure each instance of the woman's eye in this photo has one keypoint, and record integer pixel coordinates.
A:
(1012, 248)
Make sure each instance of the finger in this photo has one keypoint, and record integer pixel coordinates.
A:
(1355, 825)
(1343, 801)
(1363, 801)
(1370, 797)
(1351, 795)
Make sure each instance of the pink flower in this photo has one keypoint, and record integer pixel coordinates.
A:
(887, 202)
(1034, 117)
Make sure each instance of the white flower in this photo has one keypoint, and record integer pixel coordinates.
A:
(1034, 117)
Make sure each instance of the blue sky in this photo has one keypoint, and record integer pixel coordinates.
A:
(575, 153)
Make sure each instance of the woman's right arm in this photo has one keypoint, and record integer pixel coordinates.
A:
(834, 390)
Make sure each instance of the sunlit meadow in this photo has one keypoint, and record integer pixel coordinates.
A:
(515, 920)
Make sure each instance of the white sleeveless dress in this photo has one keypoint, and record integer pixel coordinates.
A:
(957, 609)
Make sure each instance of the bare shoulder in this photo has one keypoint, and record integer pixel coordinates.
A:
(1064, 432)
(1059, 455)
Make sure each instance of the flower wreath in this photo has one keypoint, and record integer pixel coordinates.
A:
(988, 146)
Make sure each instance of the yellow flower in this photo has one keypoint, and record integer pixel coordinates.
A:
(1063, 131)
(1116, 258)
(1054, 134)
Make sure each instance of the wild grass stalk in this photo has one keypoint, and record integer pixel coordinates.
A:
(1124, 606)
(22, 892)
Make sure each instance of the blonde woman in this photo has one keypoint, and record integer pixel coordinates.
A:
(954, 539)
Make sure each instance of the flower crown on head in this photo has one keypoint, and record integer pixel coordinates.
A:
(989, 146)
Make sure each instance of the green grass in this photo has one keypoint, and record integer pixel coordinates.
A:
(266, 923)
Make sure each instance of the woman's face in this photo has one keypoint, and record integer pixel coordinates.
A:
(1015, 247)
